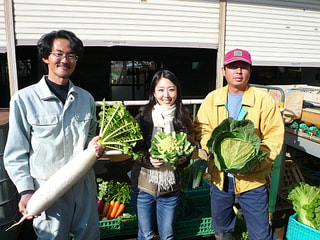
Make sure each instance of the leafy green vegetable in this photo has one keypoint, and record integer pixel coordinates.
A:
(199, 167)
(118, 128)
(235, 145)
(170, 147)
(306, 202)
(106, 189)
(193, 173)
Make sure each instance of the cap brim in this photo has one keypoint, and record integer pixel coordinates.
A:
(235, 59)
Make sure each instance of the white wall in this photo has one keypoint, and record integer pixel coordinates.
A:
(169, 23)
(277, 33)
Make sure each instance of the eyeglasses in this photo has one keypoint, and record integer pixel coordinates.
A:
(68, 56)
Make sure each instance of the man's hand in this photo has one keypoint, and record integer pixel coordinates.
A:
(251, 170)
(99, 149)
(23, 205)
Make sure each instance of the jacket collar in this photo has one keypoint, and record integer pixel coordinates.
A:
(248, 97)
(45, 92)
(247, 100)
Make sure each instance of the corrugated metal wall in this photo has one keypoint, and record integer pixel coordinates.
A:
(277, 33)
(2, 28)
(121, 22)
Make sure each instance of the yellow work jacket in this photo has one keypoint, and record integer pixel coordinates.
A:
(259, 107)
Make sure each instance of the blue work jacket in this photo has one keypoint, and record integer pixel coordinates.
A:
(44, 134)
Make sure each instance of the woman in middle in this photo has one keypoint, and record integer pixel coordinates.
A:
(155, 193)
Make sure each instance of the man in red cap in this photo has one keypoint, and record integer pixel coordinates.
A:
(241, 101)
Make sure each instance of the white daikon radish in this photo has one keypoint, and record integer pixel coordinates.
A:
(59, 183)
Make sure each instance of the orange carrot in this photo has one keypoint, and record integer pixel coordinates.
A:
(105, 209)
(110, 209)
(120, 210)
(114, 209)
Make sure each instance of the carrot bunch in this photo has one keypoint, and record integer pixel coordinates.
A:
(112, 198)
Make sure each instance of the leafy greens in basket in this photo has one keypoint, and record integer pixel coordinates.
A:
(306, 203)
(235, 145)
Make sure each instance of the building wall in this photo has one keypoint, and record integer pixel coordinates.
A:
(155, 23)
(2, 28)
(277, 33)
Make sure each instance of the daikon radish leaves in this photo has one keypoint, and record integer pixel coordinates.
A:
(118, 128)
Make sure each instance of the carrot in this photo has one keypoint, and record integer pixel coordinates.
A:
(120, 210)
(110, 209)
(114, 209)
(105, 209)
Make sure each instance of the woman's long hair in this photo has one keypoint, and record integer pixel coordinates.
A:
(181, 120)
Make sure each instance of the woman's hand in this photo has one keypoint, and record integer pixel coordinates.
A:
(181, 160)
(99, 149)
(156, 163)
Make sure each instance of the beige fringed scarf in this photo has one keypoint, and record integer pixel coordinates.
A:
(162, 117)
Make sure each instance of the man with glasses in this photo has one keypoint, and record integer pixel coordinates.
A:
(50, 122)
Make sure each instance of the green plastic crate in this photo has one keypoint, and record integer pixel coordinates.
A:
(200, 195)
(185, 228)
(196, 226)
(298, 230)
(118, 227)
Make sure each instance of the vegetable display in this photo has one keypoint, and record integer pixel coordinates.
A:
(235, 145)
(112, 198)
(306, 203)
(304, 128)
(118, 128)
(170, 147)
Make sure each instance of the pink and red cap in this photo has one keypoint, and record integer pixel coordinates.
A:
(237, 55)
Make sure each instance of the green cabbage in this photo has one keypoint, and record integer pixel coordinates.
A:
(235, 145)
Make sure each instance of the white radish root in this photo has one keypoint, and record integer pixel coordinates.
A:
(59, 183)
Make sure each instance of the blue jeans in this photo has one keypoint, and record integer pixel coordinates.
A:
(254, 206)
(153, 211)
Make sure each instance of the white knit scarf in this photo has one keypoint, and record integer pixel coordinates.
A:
(162, 117)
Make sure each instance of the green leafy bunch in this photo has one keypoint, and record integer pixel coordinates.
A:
(235, 145)
(170, 147)
(306, 203)
(118, 128)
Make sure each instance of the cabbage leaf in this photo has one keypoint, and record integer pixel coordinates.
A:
(235, 146)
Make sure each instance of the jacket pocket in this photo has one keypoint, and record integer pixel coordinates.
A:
(43, 126)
